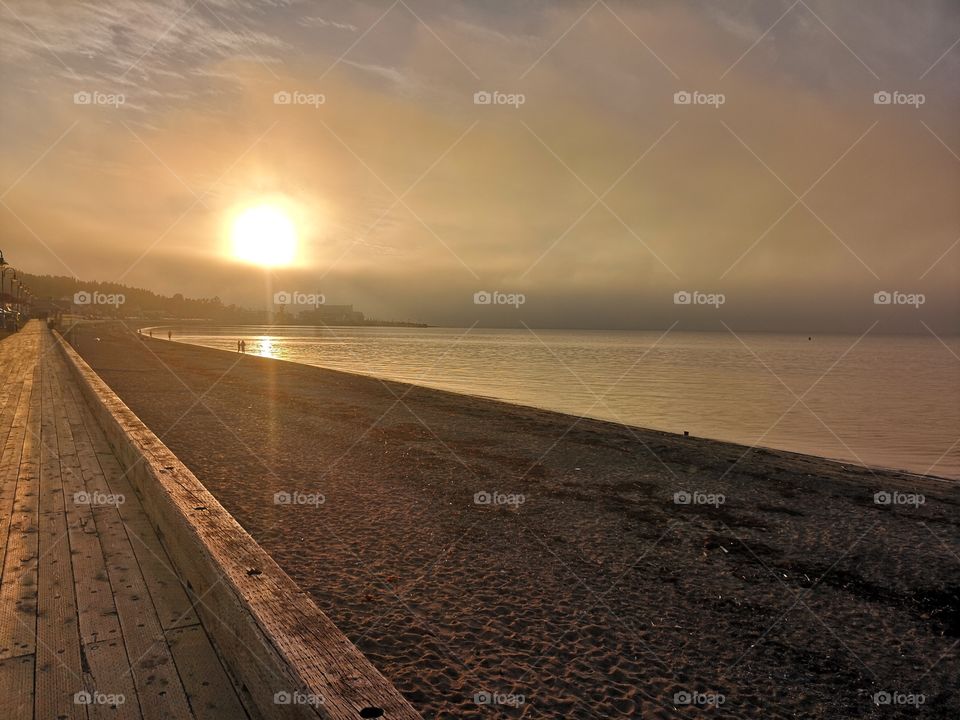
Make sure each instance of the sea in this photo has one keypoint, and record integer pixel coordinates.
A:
(877, 400)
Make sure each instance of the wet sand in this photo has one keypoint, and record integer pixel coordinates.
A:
(598, 596)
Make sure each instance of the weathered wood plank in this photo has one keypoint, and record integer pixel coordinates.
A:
(10, 393)
(209, 688)
(58, 672)
(16, 687)
(170, 596)
(18, 589)
(108, 679)
(95, 606)
(15, 420)
(155, 677)
(104, 474)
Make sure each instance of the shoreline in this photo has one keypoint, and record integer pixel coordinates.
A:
(844, 463)
(598, 594)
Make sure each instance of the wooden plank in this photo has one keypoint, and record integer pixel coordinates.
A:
(18, 589)
(170, 597)
(51, 489)
(96, 609)
(108, 679)
(19, 355)
(95, 606)
(58, 671)
(16, 687)
(155, 677)
(10, 391)
(209, 688)
(104, 474)
(10, 460)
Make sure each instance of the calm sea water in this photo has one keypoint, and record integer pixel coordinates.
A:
(883, 401)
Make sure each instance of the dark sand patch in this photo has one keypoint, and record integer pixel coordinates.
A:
(598, 597)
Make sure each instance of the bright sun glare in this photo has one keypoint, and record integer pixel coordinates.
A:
(264, 235)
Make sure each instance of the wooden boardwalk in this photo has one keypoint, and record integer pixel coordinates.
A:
(94, 622)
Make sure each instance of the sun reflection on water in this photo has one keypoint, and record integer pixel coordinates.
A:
(266, 347)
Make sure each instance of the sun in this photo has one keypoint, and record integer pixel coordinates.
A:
(264, 235)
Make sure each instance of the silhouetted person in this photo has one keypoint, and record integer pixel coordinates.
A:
(151, 333)
(238, 346)
(243, 346)
(169, 334)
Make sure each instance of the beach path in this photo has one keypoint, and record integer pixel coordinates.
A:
(94, 621)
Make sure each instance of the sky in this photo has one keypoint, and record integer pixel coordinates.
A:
(783, 197)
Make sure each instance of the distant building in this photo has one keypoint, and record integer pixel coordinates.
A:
(326, 314)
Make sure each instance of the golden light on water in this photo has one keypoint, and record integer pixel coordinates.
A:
(266, 348)
(264, 235)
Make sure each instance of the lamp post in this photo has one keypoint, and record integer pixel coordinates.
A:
(4, 267)
(3, 271)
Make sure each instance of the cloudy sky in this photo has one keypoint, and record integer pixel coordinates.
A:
(134, 132)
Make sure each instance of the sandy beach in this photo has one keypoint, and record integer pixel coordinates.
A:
(501, 561)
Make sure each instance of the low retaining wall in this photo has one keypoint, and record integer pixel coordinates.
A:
(291, 659)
